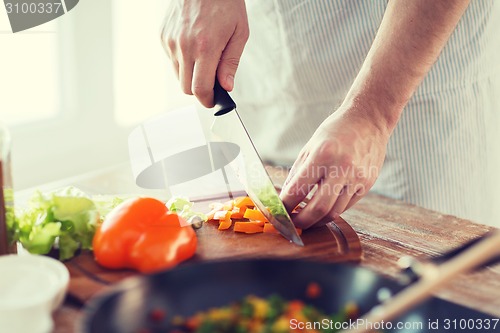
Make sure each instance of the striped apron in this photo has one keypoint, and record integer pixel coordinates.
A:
(301, 59)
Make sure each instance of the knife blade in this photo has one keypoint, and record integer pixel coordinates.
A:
(249, 168)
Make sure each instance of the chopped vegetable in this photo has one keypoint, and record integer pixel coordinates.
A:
(225, 222)
(228, 205)
(269, 228)
(184, 208)
(248, 227)
(66, 218)
(142, 234)
(221, 215)
(243, 202)
(257, 314)
(268, 199)
(242, 208)
(255, 215)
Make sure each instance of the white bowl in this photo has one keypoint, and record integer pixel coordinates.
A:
(31, 288)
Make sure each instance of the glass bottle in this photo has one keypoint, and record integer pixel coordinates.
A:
(7, 244)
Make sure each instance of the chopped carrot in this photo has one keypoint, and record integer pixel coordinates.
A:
(241, 208)
(226, 222)
(259, 223)
(243, 201)
(237, 213)
(248, 227)
(269, 228)
(254, 215)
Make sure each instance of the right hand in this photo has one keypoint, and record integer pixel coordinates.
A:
(204, 39)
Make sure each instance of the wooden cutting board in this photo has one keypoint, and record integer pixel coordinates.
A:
(333, 242)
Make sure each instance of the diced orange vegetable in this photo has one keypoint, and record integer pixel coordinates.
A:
(269, 228)
(254, 215)
(225, 223)
(243, 201)
(248, 227)
(241, 208)
(237, 213)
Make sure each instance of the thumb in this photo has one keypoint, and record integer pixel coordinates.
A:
(229, 61)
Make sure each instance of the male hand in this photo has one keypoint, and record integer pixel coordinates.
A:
(204, 39)
(341, 161)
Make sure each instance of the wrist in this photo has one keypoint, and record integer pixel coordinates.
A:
(376, 101)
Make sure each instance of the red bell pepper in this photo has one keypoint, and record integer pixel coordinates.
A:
(142, 234)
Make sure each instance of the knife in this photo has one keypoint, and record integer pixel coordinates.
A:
(249, 168)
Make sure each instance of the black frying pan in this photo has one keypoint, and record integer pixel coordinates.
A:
(191, 288)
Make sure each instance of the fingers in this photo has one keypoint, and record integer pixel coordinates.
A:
(320, 205)
(202, 46)
(185, 75)
(204, 80)
(175, 64)
(293, 170)
(306, 176)
(358, 195)
(197, 75)
(207, 67)
(342, 201)
(230, 59)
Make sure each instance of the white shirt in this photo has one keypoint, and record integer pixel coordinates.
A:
(301, 59)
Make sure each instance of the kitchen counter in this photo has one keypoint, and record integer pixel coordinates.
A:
(388, 230)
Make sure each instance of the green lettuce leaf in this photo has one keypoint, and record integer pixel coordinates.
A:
(184, 208)
(66, 218)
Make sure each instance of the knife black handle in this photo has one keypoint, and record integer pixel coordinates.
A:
(223, 102)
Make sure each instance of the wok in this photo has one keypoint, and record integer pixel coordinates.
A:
(191, 288)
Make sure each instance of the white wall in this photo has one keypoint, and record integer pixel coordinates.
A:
(109, 55)
(84, 136)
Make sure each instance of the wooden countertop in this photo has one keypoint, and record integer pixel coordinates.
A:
(388, 229)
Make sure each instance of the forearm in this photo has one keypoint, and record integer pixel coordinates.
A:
(410, 39)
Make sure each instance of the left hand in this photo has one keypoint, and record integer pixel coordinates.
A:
(343, 159)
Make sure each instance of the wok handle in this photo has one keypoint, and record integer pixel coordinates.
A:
(223, 102)
(414, 269)
(433, 279)
(451, 254)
